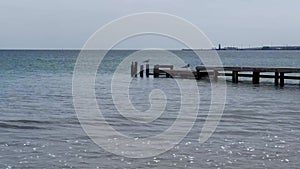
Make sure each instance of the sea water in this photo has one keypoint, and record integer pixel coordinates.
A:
(260, 126)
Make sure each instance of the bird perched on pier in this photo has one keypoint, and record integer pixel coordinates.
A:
(186, 66)
(146, 61)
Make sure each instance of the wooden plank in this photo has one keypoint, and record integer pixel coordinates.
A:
(179, 73)
(166, 66)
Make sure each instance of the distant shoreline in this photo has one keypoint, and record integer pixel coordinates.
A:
(277, 48)
(265, 48)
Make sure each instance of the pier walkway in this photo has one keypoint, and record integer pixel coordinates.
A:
(256, 73)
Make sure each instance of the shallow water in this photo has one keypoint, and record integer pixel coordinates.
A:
(260, 127)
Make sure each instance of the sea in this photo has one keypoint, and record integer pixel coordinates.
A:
(39, 127)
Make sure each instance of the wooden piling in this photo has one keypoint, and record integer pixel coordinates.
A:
(255, 77)
(132, 69)
(171, 67)
(281, 79)
(167, 75)
(235, 76)
(216, 74)
(276, 78)
(147, 70)
(156, 71)
(135, 69)
(198, 75)
(142, 71)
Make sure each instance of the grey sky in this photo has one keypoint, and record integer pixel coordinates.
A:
(69, 23)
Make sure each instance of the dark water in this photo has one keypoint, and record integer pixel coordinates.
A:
(260, 127)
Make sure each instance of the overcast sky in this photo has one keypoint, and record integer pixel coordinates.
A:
(69, 23)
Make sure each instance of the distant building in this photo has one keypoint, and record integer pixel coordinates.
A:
(231, 48)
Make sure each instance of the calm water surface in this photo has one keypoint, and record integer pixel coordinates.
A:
(260, 127)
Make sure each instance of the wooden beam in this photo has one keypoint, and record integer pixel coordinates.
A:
(166, 66)
(249, 69)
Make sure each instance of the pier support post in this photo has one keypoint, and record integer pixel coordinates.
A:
(198, 75)
(255, 77)
(135, 69)
(132, 69)
(216, 74)
(167, 75)
(276, 78)
(156, 71)
(281, 79)
(147, 70)
(235, 76)
(142, 71)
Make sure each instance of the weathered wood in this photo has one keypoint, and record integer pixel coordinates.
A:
(132, 69)
(198, 77)
(279, 76)
(135, 69)
(276, 79)
(166, 66)
(147, 70)
(265, 76)
(214, 72)
(142, 71)
(249, 69)
(168, 75)
(216, 75)
(281, 79)
(180, 74)
(235, 76)
(255, 78)
(156, 71)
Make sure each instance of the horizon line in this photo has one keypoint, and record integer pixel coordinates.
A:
(213, 48)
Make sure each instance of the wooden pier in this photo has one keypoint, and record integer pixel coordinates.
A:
(256, 73)
(279, 74)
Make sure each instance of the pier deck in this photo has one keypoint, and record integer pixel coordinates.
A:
(256, 73)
